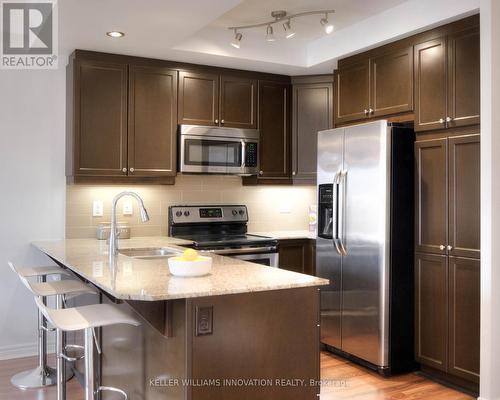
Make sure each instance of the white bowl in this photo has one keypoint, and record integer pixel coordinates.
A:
(202, 266)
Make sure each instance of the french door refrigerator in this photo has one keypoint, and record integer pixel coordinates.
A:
(365, 243)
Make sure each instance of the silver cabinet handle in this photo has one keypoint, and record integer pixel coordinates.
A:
(261, 172)
(370, 111)
(442, 247)
(449, 248)
(441, 120)
(216, 121)
(124, 169)
(132, 170)
(221, 121)
(294, 173)
(366, 111)
(449, 119)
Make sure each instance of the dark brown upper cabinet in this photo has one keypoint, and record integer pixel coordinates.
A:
(447, 196)
(391, 82)
(464, 195)
(447, 81)
(431, 196)
(97, 117)
(464, 302)
(198, 98)
(378, 85)
(431, 310)
(352, 92)
(217, 100)
(238, 102)
(152, 121)
(463, 78)
(274, 125)
(312, 111)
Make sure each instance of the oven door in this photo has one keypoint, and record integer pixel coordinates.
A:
(269, 259)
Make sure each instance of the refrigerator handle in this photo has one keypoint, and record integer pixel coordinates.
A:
(335, 212)
(341, 211)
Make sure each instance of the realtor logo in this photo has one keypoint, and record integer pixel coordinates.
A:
(29, 34)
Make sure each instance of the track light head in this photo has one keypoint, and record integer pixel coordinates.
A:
(270, 34)
(236, 42)
(289, 32)
(324, 22)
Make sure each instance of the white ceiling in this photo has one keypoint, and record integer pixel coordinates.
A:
(196, 30)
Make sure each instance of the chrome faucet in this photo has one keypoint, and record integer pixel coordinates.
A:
(113, 238)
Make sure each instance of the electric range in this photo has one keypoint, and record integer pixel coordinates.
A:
(222, 229)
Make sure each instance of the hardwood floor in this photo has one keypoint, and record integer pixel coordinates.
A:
(347, 381)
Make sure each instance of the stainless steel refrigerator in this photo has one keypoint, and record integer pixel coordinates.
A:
(365, 243)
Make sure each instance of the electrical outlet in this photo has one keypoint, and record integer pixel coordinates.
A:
(127, 207)
(97, 208)
(285, 208)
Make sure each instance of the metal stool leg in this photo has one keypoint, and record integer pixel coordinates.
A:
(42, 375)
(61, 362)
(90, 392)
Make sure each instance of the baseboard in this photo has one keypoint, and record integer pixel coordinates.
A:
(23, 350)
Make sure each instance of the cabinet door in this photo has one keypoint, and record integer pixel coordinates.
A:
(431, 310)
(312, 112)
(352, 97)
(463, 78)
(391, 79)
(274, 125)
(198, 98)
(464, 192)
(297, 255)
(464, 312)
(152, 121)
(431, 196)
(238, 102)
(100, 147)
(430, 85)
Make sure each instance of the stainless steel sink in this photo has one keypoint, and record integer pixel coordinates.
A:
(150, 253)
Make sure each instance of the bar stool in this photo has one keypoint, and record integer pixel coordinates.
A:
(42, 375)
(60, 289)
(88, 318)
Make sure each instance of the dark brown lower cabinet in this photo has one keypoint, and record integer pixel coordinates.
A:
(447, 311)
(297, 255)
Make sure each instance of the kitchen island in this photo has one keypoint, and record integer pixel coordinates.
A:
(245, 331)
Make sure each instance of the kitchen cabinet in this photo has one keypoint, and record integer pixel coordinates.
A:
(447, 81)
(98, 118)
(198, 98)
(122, 121)
(378, 85)
(298, 255)
(274, 126)
(447, 249)
(217, 100)
(152, 119)
(431, 311)
(312, 111)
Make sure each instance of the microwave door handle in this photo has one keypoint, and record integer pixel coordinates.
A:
(335, 206)
(342, 195)
(243, 154)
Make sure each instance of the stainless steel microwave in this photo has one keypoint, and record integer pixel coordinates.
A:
(218, 150)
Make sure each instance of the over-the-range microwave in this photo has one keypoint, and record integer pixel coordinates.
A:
(218, 150)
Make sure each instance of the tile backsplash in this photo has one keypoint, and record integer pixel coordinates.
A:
(270, 208)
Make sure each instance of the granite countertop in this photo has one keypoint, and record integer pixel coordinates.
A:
(296, 234)
(149, 280)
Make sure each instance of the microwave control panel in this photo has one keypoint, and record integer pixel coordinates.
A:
(251, 154)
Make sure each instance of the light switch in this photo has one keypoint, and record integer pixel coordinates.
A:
(97, 208)
(127, 207)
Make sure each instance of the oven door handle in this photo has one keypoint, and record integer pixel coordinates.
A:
(246, 250)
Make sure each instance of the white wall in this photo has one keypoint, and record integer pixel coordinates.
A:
(490, 200)
(32, 190)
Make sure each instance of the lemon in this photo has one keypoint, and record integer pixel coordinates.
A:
(190, 255)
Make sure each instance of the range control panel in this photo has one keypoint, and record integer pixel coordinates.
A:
(204, 214)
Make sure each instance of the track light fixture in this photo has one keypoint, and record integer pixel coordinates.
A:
(236, 42)
(289, 32)
(324, 22)
(280, 16)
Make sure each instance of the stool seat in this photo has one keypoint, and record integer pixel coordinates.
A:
(54, 288)
(28, 272)
(84, 317)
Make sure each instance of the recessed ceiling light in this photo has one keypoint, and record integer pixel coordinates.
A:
(115, 34)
